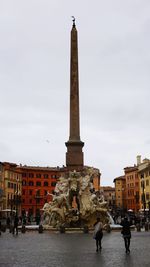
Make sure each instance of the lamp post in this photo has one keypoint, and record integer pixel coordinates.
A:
(17, 197)
(123, 206)
(149, 210)
(35, 207)
(136, 196)
(37, 200)
(143, 194)
(11, 207)
(17, 200)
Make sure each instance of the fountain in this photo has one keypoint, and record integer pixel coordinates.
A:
(75, 202)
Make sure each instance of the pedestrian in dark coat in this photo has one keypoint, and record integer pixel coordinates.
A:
(15, 227)
(8, 222)
(98, 233)
(126, 232)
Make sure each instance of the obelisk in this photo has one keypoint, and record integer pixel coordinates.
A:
(74, 155)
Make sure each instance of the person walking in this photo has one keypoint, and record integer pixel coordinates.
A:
(15, 227)
(8, 223)
(126, 232)
(98, 234)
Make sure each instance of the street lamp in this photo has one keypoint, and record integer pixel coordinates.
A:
(143, 194)
(11, 207)
(17, 197)
(17, 200)
(37, 199)
(123, 204)
(149, 209)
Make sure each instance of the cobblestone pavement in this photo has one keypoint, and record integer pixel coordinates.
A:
(72, 250)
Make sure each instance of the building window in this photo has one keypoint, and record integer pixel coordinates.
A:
(23, 174)
(147, 196)
(142, 197)
(147, 182)
(31, 175)
(45, 175)
(37, 192)
(38, 183)
(23, 192)
(53, 183)
(38, 175)
(31, 183)
(38, 200)
(45, 192)
(23, 182)
(45, 183)
(53, 176)
(30, 192)
(30, 201)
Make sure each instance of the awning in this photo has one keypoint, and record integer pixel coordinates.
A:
(8, 210)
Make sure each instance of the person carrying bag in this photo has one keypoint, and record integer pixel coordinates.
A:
(98, 234)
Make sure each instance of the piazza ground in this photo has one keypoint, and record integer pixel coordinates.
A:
(72, 250)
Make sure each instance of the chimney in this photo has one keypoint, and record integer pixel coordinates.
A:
(138, 160)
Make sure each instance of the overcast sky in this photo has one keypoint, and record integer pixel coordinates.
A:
(114, 67)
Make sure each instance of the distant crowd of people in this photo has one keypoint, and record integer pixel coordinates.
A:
(133, 218)
(12, 223)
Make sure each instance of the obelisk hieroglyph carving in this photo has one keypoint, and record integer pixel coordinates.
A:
(74, 155)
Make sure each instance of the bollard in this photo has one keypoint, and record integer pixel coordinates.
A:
(23, 229)
(40, 229)
(62, 229)
(85, 229)
(10, 228)
(138, 227)
(3, 228)
(108, 228)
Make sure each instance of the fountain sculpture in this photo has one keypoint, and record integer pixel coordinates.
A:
(75, 202)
